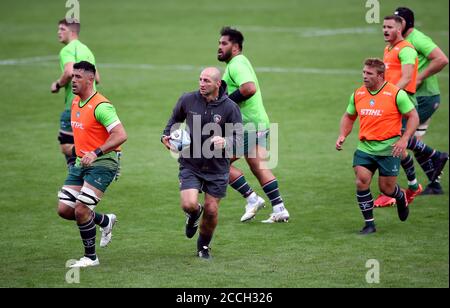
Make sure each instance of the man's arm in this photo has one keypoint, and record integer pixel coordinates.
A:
(406, 108)
(117, 136)
(65, 78)
(345, 129)
(411, 125)
(245, 91)
(178, 116)
(438, 60)
(234, 131)
(407, 74)
(408, 59)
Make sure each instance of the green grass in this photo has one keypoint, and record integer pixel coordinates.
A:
(319, 247)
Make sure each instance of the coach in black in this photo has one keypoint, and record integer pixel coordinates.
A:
(214, 123)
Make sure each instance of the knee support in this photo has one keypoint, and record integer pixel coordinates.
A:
(68, 196)
(421, 130)
(88, 197)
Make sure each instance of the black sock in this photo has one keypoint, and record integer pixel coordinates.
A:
(418, 147)
(408, 166)
(101, 219)
(426, 162)
(399, 197)
(424, 155)
(272, 192)
(203, 240)
(241, 185)
(88, 231)
(365, 201)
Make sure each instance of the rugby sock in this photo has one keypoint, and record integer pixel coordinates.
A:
(365, 202)
(427, 163)
(408, 166)
(241, 185)
(424, 155)
(272, 192)
(418, 147)
(101, 219)
(203, 240)
(88, 232)
(399, 197)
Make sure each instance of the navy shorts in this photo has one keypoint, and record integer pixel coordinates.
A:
(212, 184)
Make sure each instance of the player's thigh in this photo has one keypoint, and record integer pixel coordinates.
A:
(388, 166)
(427, 106)
(189, 198)
(211, 204)
(387, 184)
(100, 177)
(364, 165)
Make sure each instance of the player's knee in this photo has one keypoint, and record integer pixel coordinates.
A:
(362, 183)
(65, 211)
(211, 210)
(189, 206)
(82, 213)
(387, 189)
(88, 198)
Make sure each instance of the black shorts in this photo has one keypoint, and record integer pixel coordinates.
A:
(212, 184)
(65, 138)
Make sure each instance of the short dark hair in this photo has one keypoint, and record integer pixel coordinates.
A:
(73, 24)
(407, 14)
(396, 18)
(235, 36)
(376, 63)
(85, 65)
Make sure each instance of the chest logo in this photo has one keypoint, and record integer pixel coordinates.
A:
(217, 118)
(78, 114)
(372, 102)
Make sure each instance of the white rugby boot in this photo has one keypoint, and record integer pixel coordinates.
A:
(279, 214)
(107, 231)
(86, 262)
(254, 204)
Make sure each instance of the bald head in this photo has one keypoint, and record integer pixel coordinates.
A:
(210, 81)
(213, 73)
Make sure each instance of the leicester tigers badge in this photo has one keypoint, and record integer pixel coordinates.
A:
(217, 118)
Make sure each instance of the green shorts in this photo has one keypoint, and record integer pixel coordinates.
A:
(251, 140)
(98, 176)
(427, 105)
(64, 124)
(386, 165)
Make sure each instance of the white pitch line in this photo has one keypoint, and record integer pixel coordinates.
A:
(47, 61)
(313, 32)
(29, 60)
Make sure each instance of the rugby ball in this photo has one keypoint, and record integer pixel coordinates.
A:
(180, 140)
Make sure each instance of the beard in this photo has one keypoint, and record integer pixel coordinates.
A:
(225, 57)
